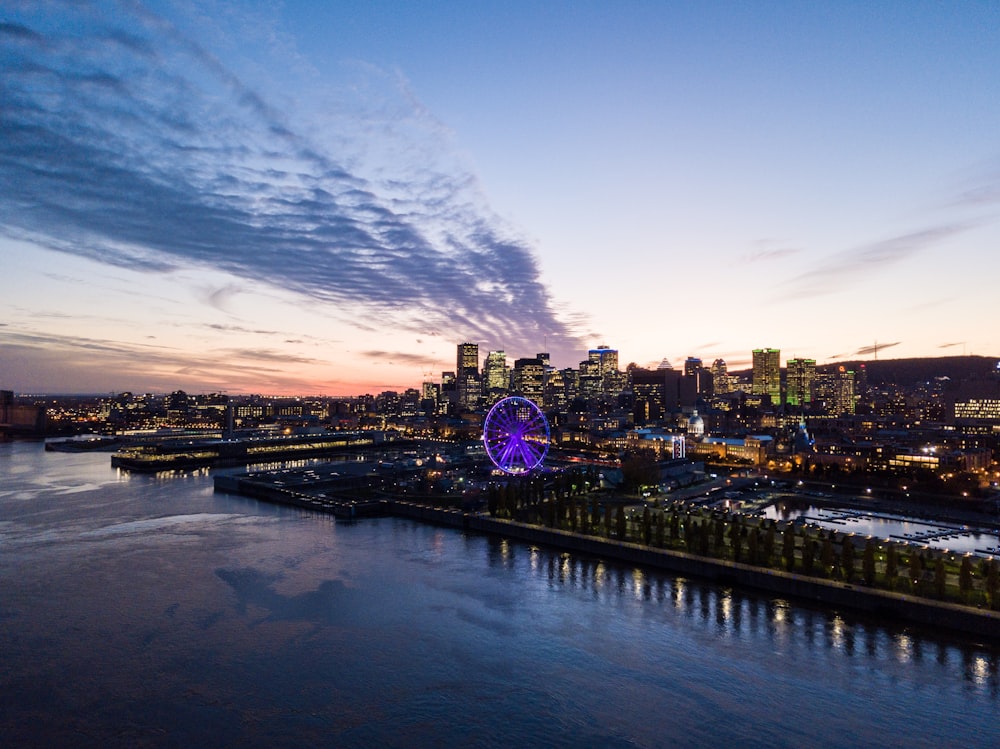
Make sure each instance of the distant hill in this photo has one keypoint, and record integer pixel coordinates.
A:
(910, 371)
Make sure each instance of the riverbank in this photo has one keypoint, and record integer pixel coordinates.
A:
(919, 610)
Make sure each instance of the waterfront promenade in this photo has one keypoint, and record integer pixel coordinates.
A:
(921, 610)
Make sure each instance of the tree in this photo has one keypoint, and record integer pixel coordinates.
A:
(703, 536)
(826, 555)
(647, 526)
(620, 523)
(868, 564)
(753, 544)
(788, 548)
(808, 554)
(639, 468)
(891, 565)
(734, 538)
(993, 584)
(719, 537)
(660, 530)
(769, 544)
(965, 578)
(607, 519)
(916, 570)
(847, 559)
(940, 578)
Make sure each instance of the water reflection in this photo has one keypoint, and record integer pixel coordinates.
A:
(945, 536)
(789, 627)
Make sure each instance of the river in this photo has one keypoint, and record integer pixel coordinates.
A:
(150, 611)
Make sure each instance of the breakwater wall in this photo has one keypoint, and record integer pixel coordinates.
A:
(923, 611)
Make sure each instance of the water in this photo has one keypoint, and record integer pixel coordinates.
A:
(146, 611)
(947, 537)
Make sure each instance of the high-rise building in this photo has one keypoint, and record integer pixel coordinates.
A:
(695, 370)
(469, 386)
(496, 376)
(720, 377)
(844, 395)
(657, 394)
(527, 379)
(468, 358)
(801, 374)
(601, 375)
(767, 374)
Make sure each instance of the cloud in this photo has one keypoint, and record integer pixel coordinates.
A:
(951, 345)
(401, 357)
(768, 255)
(851, 266)
(100, 365)
(127, 143)
(874, 348)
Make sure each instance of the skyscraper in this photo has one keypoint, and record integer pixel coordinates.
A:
(844, 396)
(720, 377)
(767, 374)
(496, 376)
(800, 378)
(469, 386)
(527, 379)
(468, 358)
(694, 369)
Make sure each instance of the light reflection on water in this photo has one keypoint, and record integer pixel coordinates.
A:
(150, 610)
(947, 536)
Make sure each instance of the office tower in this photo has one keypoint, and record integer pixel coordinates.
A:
(767, 374)
(720, 377)
(468, 357)
(801, 374)
(657, 393)
(496, 376)
(468, 387)
(601, 375)
(695, 371)
(528, 379)
(844, 393)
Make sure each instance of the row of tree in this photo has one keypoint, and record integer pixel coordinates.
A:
(796, 548)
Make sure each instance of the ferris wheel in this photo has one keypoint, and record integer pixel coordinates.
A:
(516, 435)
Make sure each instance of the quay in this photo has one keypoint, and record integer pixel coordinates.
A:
(191, 454)
(350, 497)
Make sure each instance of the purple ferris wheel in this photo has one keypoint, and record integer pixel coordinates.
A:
(516, 435)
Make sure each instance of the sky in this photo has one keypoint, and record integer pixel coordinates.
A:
(326, 198)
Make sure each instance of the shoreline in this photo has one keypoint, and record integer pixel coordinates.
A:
(916, 609)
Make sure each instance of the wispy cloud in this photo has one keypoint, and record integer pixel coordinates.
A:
(101, 365)
(127, 143)
(875, 348)
(402, 357)
(842, 269)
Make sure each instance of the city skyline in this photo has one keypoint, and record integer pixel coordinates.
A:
(327, 200)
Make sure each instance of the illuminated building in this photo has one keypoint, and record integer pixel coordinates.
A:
(836, 390)
(468, 358)
(800, 378)
(469, 388)
(767, 374)
(694, 369)
(528, 379)
(720, 377)
(599, 375)
(496, 376)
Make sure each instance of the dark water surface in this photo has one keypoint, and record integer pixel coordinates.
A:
(146, 611)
